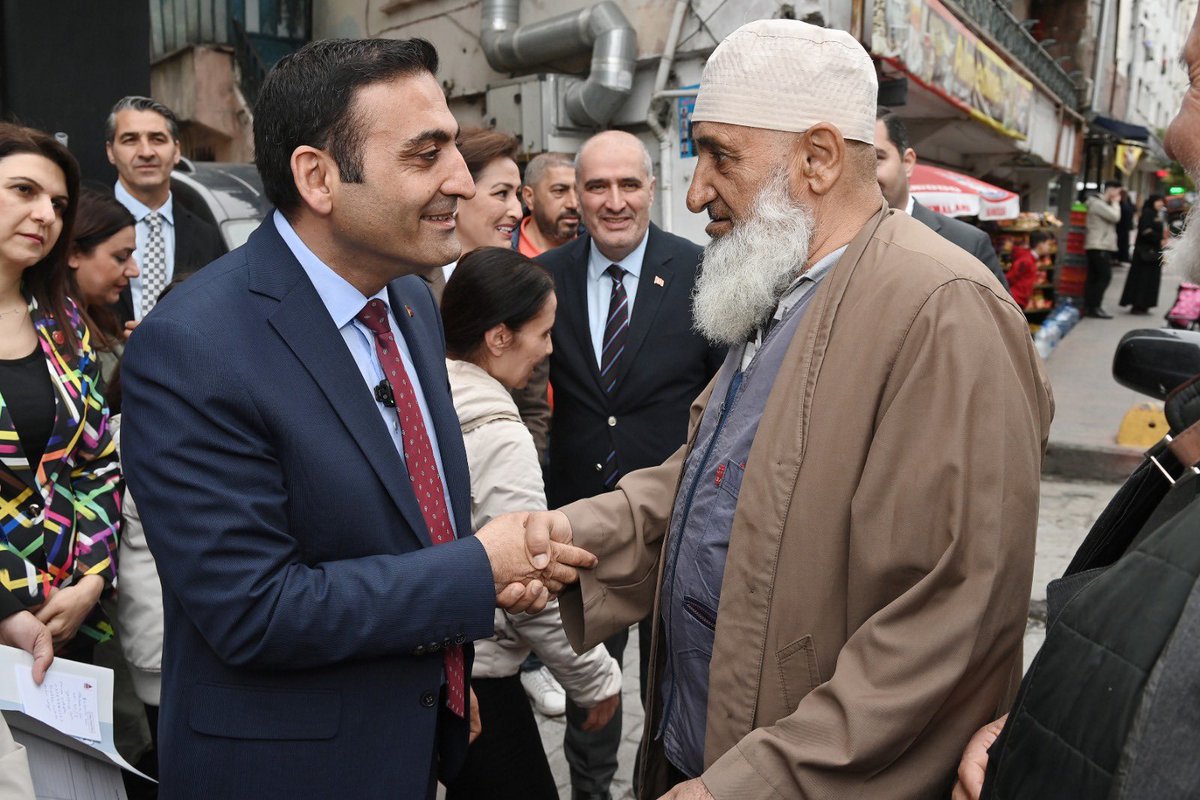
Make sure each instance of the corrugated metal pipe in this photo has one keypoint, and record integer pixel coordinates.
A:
(510, 47)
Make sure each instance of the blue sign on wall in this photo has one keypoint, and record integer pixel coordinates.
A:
(684, 106)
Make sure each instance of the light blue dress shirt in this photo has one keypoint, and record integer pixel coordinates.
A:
(344, 302)
(599, 288)
(142, 231)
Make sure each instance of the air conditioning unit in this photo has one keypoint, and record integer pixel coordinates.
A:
(533, 108)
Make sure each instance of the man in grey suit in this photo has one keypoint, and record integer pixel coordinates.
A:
(893, 166)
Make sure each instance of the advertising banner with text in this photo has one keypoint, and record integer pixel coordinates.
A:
(923, 39)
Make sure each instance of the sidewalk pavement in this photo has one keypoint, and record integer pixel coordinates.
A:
(1088, 403)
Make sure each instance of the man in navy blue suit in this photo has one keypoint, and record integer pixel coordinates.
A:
(294, 451)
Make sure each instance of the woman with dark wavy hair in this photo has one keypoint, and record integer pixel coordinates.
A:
(60, 483)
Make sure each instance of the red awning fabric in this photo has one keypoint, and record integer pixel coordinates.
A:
(957, 195)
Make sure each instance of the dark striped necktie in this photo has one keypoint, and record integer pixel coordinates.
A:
(616, 331)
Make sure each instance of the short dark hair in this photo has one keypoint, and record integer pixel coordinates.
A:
(490, 286)
(135, 102)
(47, 281)
(482, 146)
(896, 129)
(1037, 237)
(308, 99)
(1112, 184)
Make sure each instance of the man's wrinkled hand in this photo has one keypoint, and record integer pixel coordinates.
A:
(973, 767)
(27, 632)
(531, 562)
(689, 790)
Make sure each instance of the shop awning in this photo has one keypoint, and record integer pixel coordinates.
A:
(1123, 130)
(957, 195)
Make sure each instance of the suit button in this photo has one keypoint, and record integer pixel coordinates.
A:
(612, 422)
(420, 651)
(428, 699)
(460, 639)
(433, 647)
(599, 468)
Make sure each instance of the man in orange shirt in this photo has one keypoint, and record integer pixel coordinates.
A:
(549, 194)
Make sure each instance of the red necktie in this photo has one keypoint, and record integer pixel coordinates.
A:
(422, 469)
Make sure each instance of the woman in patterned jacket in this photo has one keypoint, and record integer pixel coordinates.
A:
(60, 482)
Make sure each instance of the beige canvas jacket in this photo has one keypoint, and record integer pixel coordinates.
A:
(1102, 219)
(881, 554)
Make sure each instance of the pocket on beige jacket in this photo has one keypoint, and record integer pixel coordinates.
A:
(798, 671)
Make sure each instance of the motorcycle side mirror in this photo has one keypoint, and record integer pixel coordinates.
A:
(1155, 361)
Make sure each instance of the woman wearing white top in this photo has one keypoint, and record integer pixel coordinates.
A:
(498, 309)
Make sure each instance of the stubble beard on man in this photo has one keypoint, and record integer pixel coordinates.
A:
(745, 272)
(1183, 252)
(558, 229)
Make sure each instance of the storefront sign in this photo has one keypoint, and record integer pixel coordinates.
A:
(1127, 158)
(924, 40)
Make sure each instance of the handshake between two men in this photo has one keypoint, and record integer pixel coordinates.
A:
(532, 558)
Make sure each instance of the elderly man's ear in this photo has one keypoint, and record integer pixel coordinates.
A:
(818, 160)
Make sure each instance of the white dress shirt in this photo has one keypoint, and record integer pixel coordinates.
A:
(142, 231)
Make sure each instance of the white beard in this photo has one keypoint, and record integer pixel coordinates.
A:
(745, 272)
(1182, 254)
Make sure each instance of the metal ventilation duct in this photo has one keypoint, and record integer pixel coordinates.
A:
(602, 28)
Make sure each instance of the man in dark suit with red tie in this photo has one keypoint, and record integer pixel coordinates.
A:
(626, 367)
(295, 455)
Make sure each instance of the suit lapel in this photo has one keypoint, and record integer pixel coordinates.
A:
(653, 283)
(304, 324)
(927, 216)
(574, 296)
(183, 241)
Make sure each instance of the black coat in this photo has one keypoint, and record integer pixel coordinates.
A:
(665, 366)
(1108, 709)
(197, 243)
(1145, 272)
(968, 237)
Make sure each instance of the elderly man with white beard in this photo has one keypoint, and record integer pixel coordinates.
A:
(839, 559)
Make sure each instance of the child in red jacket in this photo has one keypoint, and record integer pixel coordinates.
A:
(1022, 274)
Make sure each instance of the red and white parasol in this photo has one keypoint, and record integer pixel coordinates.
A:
(957, 195)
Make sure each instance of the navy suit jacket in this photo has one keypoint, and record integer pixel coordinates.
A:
(666, 364)
(305, 607)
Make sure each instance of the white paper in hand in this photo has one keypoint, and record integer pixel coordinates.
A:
(68, 702)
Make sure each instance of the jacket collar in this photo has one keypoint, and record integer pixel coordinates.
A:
(305, 325)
